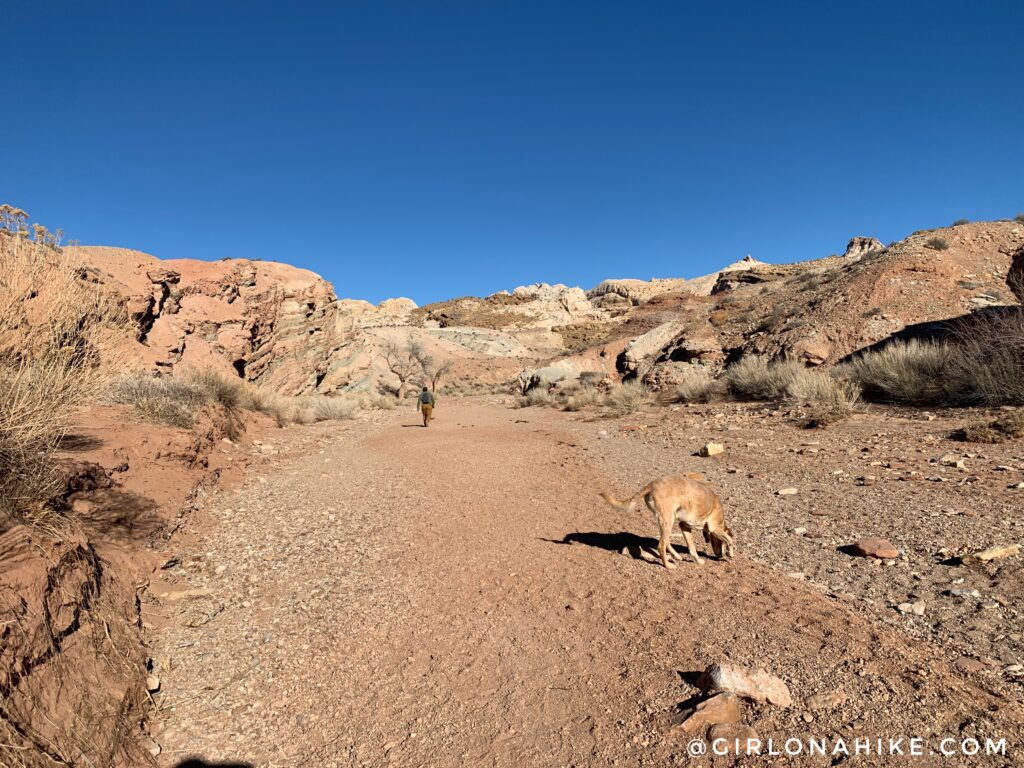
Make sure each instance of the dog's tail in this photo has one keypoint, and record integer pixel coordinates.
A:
(626, 504)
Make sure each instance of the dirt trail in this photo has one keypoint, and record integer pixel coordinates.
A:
(384, 594)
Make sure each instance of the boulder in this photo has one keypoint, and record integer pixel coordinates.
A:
(638, 355)
(756, 685)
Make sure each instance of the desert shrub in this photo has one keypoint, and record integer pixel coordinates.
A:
(697, 386)
(536, 396)
(227, 390)
(582, 398)
(1009, 427)
(266, 402)
(988, 366)
(829, 400)
(1019, 217)
(60, 339)
(959, 222)
(160, 400)
(625, 398)
(719, 317)
(912, 372)
(331, 408)
(756, 378)
(936, 243)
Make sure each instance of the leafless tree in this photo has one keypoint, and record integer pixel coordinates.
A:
(433, 369)
(402, 363)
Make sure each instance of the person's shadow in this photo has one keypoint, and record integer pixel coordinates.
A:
(195, 762)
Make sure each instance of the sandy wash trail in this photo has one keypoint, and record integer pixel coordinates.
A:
(380, 594)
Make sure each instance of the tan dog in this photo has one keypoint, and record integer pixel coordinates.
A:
(690, 502)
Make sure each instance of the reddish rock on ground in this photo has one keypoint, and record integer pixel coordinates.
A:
(873, 546)
(756, 685)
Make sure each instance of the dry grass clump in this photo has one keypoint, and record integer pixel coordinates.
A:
(936, 243)
(220, 388)
(625, 398)
(160, 400)
(331, 408)
(756, 378)
(177, 402)
(1009, 427)
(912, 372)
(60, 338)
(698, 386)
(536, 396)
(981, 363)
(988, 367)
(829, 400)
(581, 398)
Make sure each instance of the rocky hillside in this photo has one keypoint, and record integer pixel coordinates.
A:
(271, 323)
(283, 327)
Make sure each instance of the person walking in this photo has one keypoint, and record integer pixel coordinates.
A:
(426, 403)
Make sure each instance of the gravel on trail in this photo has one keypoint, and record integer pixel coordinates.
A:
(380, 594)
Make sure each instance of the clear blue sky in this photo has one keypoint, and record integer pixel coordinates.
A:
(435, 149)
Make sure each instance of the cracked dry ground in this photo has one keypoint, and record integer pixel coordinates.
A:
(387, 595)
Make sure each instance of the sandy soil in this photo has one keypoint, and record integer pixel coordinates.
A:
(380, 594)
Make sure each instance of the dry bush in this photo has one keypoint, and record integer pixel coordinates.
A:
(1009, 427)
(325, 408)
(697, 386)
(625, 398)
(936, 243)
(756, 378)
(988, 367)
(160, 400)
(229, 391)
(60, 338)
(581, 398)
(912, 372)
(830, 400)
(536, 396)
(177, 402)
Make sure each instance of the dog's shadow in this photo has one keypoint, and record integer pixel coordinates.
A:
(638, 547)
(612, 542)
